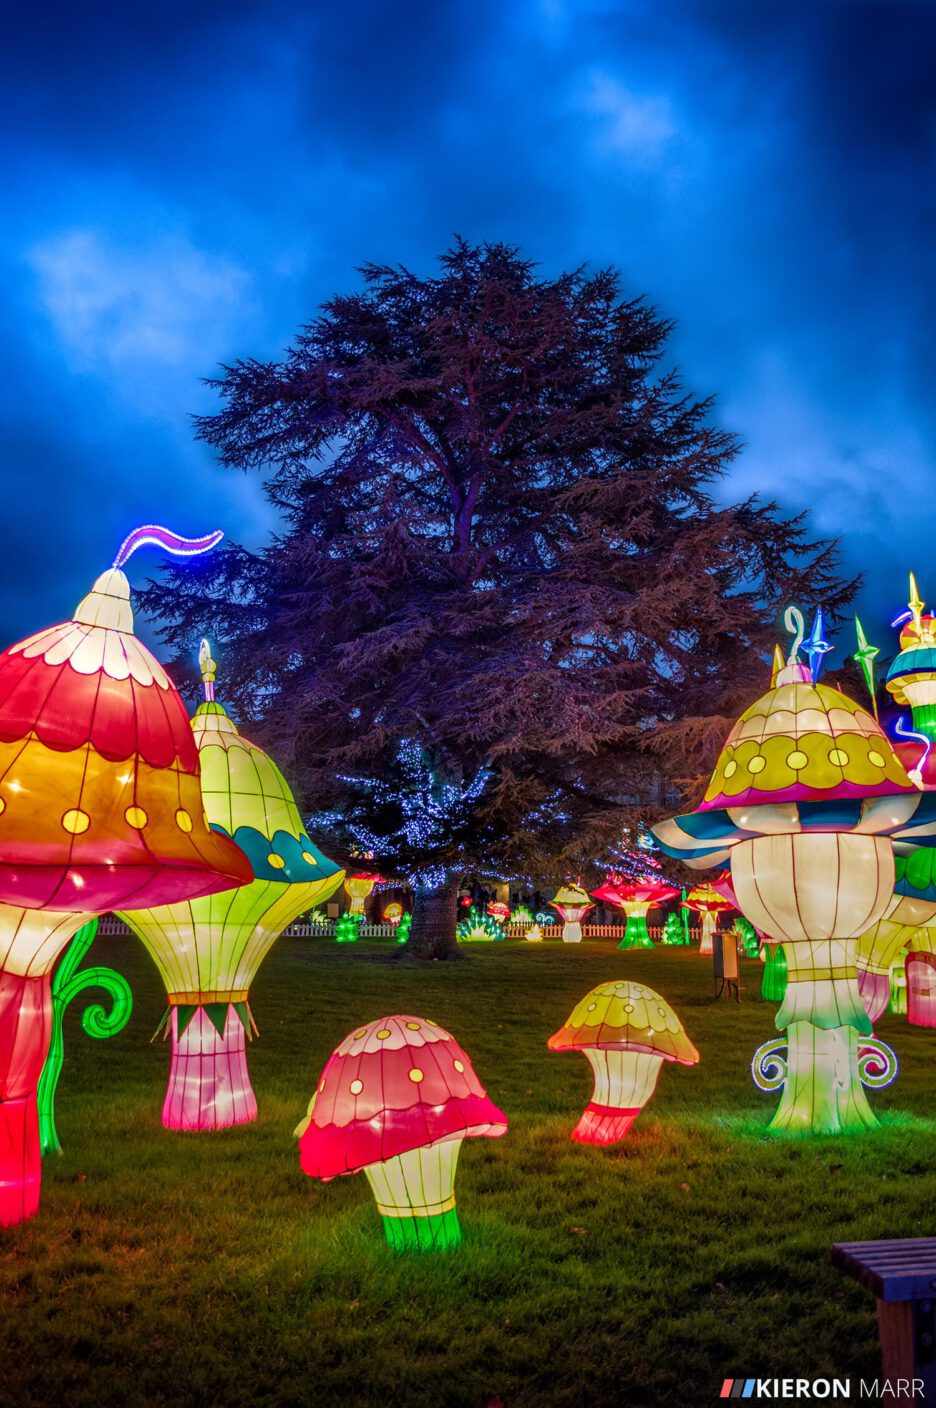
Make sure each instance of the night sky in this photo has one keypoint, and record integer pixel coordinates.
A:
(184, 183)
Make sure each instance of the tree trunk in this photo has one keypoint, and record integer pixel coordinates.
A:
(435, 914)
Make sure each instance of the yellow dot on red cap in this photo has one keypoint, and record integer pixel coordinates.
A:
(136, 817)
(383, 1034)
(183, 820)
(76, 821)
(362, 1032)
(356, 1087)
(415, 1075)
(412, 1026)
(2, 804)
(459, 1067)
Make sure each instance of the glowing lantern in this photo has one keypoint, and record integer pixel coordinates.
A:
(499, 912)
(804, 800)
(636, 898)
(359, 886)
(393, 913)
(534, 935)
(100, 804)
(674, 931)
(396, 1099)
(909, 921)
(209, 950)
(478, 928)
(626, 1031)
(573, 904)
(522, 915)
(707, 902)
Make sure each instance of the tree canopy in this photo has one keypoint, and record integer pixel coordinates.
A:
(503, 547)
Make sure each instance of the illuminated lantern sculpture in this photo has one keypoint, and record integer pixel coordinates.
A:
(396, 1099)
(522, 915)
(534, 935)
(773, 983)
(499, 912)
(359, 886)
(393, 913)
(478, 928)
(709, 903)
(626, 1031)
(674, 931)
(100, 805)
(208, 950)
(573, 904)
(805, 799)
(636, 898)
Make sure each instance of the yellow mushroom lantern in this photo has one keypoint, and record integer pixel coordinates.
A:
(208, 950)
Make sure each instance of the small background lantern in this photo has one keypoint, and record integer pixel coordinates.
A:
(573, 904)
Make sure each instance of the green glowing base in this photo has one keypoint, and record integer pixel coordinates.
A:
(636, 934)
(423, 1234)
(823, 1093)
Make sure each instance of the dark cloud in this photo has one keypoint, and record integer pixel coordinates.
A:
(185, 183)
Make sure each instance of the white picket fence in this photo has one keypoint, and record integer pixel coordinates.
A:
(111, 926)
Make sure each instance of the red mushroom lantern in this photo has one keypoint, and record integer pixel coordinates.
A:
(636, 898)
(709, 902)
(396, 1099)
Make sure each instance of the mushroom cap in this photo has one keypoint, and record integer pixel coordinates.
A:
(248, 799)
(649, 889)
(804, 742)
(917, 658)
(396, 1084)
(100, 793)
(625, 1016)
(707, 900)
(572, 895)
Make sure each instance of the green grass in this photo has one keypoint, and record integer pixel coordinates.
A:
(206, 1269)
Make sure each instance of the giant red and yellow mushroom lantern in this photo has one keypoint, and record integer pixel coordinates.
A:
(358, 886)
(636, 898)
(100, 806)
(208, 950)
(807, 802)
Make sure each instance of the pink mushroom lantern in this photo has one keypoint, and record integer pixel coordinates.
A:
(100, 806)
(636, 898)
(708, 903)
(573, 904)
(396, 1100)
(626, 1030)
(208, 950)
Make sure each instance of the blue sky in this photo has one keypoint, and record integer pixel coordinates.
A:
(184, 184)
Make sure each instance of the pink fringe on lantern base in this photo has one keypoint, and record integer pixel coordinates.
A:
(603, 1124)
(209, 1084)
(25, 1032)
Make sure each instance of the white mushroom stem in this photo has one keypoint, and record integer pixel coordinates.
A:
(624, 1082)
(420, 1183)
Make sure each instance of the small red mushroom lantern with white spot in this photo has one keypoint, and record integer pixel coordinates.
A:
(626, 1030)
(395, 1100)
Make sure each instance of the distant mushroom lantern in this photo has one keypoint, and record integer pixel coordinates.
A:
(100, 806)
(396, 1100)
(208, 951)
(708, 903)
(359, 886)
(636, 898)
(626, 1030)
(573, 903)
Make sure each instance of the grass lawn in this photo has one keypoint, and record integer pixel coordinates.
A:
(206, 1269)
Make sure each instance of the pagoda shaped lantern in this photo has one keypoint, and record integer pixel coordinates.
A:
(100, 807)
(807, 801)
(208, 951)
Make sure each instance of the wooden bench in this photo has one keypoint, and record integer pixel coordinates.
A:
(902, 1275)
